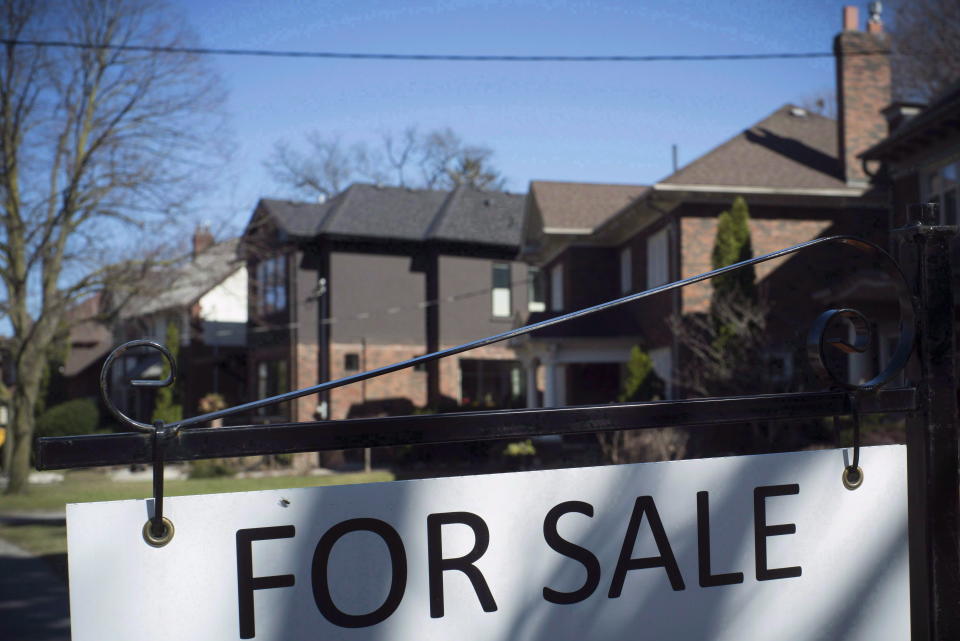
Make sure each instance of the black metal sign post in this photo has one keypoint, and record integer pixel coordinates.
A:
(932, 447)
(926, 311)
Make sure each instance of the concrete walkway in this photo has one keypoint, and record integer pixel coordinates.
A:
(34, 604)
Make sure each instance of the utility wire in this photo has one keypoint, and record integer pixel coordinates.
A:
(390, 311)
(339, 55)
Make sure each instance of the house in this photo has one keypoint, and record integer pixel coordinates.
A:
(801, 177)
(920, 156)
(205, 297)
(377, 275)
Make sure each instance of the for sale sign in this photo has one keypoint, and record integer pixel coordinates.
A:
(733, 549)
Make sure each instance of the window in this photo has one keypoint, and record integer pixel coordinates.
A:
(658, 267)
(501, 290)
(626, 270)
(556, 288)
(271, 380)
(942, 186)
(351, 362)
(491, 384)
(272, 284)
(536, 300)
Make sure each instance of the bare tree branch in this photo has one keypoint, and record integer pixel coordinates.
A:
(92, 141)
(440, 157)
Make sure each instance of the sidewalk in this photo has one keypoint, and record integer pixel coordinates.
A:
(33, 600)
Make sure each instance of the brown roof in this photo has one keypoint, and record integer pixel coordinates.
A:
(89, 339)
(791, 148)
(580, 206)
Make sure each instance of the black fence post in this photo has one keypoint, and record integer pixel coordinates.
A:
(932, 446)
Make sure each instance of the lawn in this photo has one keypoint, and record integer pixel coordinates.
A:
(85, 486)
(49, 540)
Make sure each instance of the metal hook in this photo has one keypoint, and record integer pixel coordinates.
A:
(158, 530)
(853, 474)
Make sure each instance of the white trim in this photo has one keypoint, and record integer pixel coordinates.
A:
(742, 189)
(571, 231)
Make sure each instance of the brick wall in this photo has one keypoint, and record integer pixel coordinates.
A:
(405, 384)
(863, 89)
(306, 375)
(767, 235)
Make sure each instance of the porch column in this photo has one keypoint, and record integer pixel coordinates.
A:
(531, 367)
(550, 383)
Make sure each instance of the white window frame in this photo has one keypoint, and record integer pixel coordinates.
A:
(501, 303)
(658, 258)
(556, 288)
(535, 282)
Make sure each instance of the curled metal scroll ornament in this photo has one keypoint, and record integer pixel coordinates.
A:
(104, 380)
(817, 338)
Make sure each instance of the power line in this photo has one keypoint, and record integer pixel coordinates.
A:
(391, 311)
(426, 57)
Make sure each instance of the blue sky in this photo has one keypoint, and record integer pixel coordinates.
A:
(595, 122)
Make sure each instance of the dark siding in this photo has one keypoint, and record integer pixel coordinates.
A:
(592, 275)
(374, 284)
(470, 315)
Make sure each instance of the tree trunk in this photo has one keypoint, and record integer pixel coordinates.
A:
(8, 448)
(22, 423)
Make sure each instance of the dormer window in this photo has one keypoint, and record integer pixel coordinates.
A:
(272, 284)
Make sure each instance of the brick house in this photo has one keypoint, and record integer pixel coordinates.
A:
(205, 296)
(920, 155)
(801, 177)
(377, 275)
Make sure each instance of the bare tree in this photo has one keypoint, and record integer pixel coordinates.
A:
(926, 40)
(725, 349)
(93, 140)
(438, 159)
(325, 169)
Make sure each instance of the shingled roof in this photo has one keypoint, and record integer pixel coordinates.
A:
(370, 212)
(791, 149)
(189, 282)
(568, 207)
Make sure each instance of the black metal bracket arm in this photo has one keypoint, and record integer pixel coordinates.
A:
(283, 438)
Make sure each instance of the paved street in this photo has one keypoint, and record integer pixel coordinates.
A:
(33, 600)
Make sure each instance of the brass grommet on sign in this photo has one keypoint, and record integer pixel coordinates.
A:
(852, 477)
(155, 540)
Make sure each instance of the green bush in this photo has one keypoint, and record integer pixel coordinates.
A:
(79, 416)
(209, 469)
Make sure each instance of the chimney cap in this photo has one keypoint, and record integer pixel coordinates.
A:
(851, 18)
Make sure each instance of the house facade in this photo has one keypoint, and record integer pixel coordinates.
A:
(919, 159)
(378, 275)
(801, 177)
(204, 297)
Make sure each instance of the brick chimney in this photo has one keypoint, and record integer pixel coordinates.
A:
(863, 89)
(202, 239)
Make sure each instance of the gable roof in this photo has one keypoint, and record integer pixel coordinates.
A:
(370, 212)
(188, 283)
(792, 148)
(579, 208)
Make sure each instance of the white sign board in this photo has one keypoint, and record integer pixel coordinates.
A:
(732, 549)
